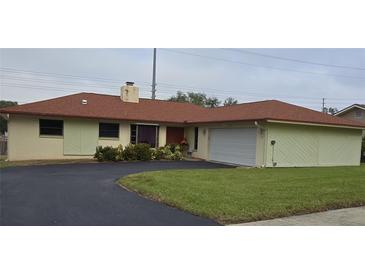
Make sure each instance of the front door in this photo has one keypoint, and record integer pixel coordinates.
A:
(174, 135)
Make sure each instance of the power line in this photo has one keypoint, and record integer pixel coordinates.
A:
(52, 81)
(171, 89)
(52, 74)
(168, 85)
(68, 92)
(45, 88)
(163, 84)
(244, 51)
(261, 66)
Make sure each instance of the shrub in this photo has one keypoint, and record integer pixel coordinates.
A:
(158, 153)
(167, 153)
(177, 155)
(129, 153)
(119, 156)
(107, 153)
(143, 152)
(173, 147)
(99, 154)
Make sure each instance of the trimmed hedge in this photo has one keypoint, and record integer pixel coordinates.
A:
(138, 152)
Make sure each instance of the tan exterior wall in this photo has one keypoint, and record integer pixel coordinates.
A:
(203, 141)
(25, 143)
(299, 145)
(162, 136)
(261, 140)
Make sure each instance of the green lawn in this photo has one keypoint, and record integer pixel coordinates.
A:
(242, 195)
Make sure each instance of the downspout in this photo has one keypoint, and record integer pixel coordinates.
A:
(262, 131)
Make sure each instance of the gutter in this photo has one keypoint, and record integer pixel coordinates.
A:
(316, 124)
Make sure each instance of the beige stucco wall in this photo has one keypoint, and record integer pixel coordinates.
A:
(162, 136)
(25, 143)
(261, 140)
(203, 141)
(300, 145)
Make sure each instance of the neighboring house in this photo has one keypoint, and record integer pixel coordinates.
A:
(267, 133)
(355, 112)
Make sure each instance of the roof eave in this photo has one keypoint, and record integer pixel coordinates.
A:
(315, 124)
(348, 109)
(88, 117)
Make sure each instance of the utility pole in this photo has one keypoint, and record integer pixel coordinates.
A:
(154, 75)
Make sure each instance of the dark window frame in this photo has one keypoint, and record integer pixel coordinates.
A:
(47, 129)
(196, 138)
(109, 133)
(134, 134)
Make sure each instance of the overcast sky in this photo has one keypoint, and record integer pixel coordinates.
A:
(29, 75)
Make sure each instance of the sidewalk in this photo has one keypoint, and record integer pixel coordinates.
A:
(346, 216)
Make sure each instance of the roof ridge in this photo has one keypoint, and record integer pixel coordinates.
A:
(46, 100)
(144, 99)
(247, 103)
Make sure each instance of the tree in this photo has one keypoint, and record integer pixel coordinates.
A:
(212, 102)
(230, 101)
(3, 122)
(330, 110)
(197, 98)
(180, 97)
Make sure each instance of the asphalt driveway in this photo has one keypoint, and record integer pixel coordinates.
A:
(86, 194)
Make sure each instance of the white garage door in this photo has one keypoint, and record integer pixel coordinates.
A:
(233, 145)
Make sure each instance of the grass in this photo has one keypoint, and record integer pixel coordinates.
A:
(5, 164)
(243, 195)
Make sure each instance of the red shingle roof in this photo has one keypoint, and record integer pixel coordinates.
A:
(111, 107)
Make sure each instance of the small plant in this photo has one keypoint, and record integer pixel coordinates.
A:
(107, 153)
(177, 155)
(99, 154)
(167, 152)
(119, 156)
(143, 152)
(138, 152)
(129, 153)
(158, 153)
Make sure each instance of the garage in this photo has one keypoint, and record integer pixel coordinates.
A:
(233, 145)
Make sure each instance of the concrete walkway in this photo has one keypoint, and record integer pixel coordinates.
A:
(346, 216)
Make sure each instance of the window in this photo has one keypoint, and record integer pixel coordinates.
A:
(196, 137)
(145, 134)
(51, 127)
(133, 134)
(108, 130)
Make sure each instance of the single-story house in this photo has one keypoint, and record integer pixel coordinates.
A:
(264, 134)
(354, 112)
